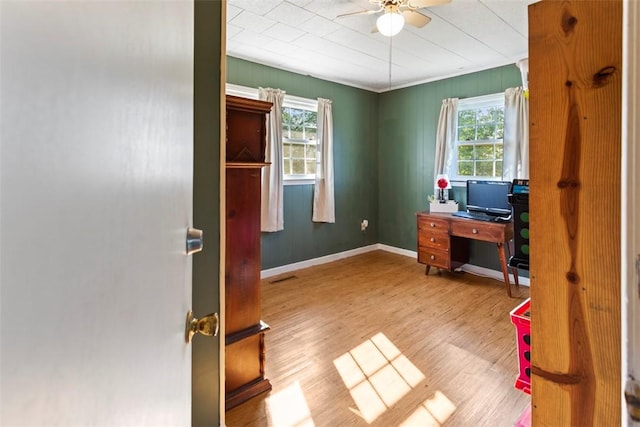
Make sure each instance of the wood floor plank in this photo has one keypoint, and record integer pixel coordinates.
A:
(371, 340)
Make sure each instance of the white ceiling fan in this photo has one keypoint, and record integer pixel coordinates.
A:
(396, 13)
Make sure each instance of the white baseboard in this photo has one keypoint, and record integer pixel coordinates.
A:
(493, 274)
(316, 261)
(399, 251)
(469, 268)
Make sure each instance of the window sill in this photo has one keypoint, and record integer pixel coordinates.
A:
(287, 182)
(457, 182)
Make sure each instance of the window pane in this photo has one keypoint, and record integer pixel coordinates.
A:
(499, 152)
(486, 132)
(466, 133)
(466, 118)
(310, 133)
(310, 150)
(286, 166)
(286, 150)
(465, 168)
(310, 117)
(499, 130)
(286, 115)
(484, 152)
(499, 168)
(297, 117)
(485, 116)
(297, 132)
(484, 169)
(297, 151)
(297, 167)
(465, 152)
(311, 166)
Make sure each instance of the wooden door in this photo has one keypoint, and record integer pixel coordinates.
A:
(631, 200)
(575, 74)
(96, 194)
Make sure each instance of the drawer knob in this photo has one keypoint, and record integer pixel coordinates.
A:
(433, 239)
(432, 224)
(474, 231)
(433, 257)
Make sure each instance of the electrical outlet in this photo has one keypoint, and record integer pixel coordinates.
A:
(364, 224)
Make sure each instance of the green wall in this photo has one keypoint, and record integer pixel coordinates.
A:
(407, 132)
(384, 155)
(355, 112)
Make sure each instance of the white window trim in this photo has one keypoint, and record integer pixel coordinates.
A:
(289, 101)
(480, 101)
(243, 91)
(467, 104)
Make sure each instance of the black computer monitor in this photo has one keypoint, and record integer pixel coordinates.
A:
(490, 197)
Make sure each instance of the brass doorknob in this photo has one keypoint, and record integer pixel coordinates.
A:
(207, 325)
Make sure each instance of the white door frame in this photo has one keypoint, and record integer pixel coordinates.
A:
(630, 185)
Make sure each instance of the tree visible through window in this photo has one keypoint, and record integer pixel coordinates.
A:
(479, 149)
(299, 140)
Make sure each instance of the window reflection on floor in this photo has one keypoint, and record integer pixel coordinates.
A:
(288, 408)
(378, 375)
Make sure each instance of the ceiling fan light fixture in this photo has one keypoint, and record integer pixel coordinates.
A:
(390, 24)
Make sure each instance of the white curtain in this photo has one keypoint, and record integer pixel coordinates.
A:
(271, 218)
(323, 201)
(445, 136)
(516, 134)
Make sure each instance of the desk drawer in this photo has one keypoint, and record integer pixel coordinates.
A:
(434, 257)
(479, 231)
(433, 240)
(436, 225)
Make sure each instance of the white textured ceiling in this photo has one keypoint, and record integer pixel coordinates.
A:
(307, 37)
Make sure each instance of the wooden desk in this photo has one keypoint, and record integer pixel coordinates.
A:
(443, 241)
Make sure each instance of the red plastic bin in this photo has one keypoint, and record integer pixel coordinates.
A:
(521, 318)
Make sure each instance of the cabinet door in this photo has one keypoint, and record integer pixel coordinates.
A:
(242, 262)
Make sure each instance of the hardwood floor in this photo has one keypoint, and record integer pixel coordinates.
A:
(371, 340)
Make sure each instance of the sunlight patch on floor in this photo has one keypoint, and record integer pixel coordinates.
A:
(288, 408)
(432, 413)
(377, 375)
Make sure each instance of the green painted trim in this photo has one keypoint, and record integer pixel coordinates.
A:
(205, 376)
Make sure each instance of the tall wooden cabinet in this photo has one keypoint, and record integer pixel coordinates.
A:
(244, 329)
(575, 79)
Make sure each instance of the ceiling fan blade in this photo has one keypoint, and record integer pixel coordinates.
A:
(415, 18)
(362, 12)
(419, 4)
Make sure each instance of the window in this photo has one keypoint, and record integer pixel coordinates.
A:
(478, 150)
(299, 134)
(299, 143)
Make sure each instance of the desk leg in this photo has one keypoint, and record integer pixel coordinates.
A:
(513, 269)
(503, 263)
